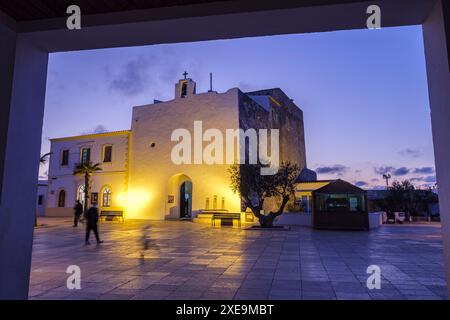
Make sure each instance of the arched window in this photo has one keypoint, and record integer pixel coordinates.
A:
(62, 199)
(184, 90)
(106, 197)
(80, 194)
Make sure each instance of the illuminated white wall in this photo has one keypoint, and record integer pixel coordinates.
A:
(151, 169)
(114, 174)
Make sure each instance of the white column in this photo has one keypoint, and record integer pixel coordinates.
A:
(437, 62)
(23, 70)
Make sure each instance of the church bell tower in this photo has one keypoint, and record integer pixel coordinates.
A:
(185, 87)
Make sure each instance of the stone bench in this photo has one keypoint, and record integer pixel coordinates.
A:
(111, 215)
(225, 216)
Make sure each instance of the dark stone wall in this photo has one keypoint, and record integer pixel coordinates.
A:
(283, 115)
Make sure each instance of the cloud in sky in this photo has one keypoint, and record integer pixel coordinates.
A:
(424, 170)
(422, 177)
(428, 179)
(98, 129)
(134, 77)
(384, 170)
(409, 152)
(151, 73)
(335, 169)
(361, 184)
(123, 77)
(378, 187)
(403, 171)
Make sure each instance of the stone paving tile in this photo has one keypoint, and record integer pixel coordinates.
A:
(284, 294)
(83, 296)
(317, 295)
(420, 297)
(109, 296)
(138, 284)
(219, 293)
(256, 283)
(152, 294)
(193, 261)
(226, 283)
(56, 295)
(353, 296)
(185, 295)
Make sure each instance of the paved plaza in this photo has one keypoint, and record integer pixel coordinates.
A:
(185, 260)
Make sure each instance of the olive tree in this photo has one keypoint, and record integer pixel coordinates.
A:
(254, 188)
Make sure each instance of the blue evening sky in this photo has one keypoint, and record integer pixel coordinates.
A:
(363, 93)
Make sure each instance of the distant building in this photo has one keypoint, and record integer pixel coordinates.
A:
(41, 197)
(334, 204)
(304, 190)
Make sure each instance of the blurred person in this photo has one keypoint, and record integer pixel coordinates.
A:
(78, 211)
(92, 224)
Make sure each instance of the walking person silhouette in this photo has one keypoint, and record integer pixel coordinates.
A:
(92, 224)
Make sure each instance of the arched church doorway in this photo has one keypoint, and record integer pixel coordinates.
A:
(186, 199)
(179, 197)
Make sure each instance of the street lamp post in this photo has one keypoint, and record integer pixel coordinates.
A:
(386, 177)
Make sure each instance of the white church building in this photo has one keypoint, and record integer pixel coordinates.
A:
(139, 177)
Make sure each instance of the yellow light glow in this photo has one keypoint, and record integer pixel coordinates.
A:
(134, 201)
(232, 200)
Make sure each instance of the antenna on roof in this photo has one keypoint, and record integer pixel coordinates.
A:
(210, 82)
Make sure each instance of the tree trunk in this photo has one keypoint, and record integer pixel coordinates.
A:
(267, 221)
(86, 193)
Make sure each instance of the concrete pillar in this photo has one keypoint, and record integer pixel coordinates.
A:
(436, 31)
(7, 54)
(23, 69)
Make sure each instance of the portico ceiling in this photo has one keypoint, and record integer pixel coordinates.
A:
(28, 10)
(119, 23)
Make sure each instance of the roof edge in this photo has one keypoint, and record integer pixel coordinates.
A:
(93, 135)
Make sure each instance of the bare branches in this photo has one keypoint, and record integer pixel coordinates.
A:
(254, 188)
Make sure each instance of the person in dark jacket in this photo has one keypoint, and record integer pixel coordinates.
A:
(91, 224)
(78, 211)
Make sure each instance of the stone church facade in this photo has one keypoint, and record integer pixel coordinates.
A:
(140, 178)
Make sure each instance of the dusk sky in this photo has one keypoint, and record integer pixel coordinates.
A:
(363, 93)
